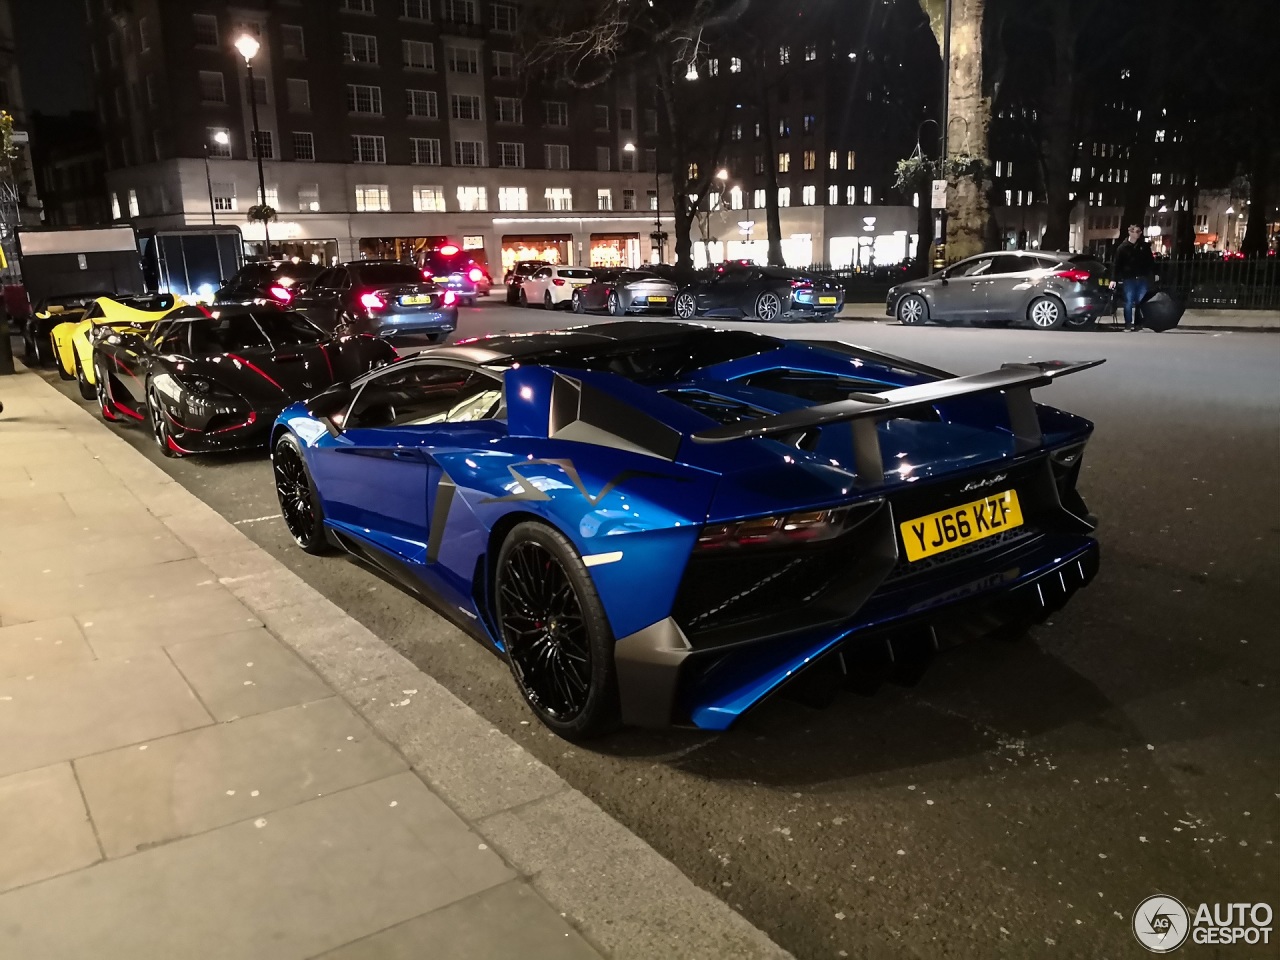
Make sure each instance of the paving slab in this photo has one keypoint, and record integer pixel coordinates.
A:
(240, 674)
(78, 710)
(486, 926)
(37, 598)
(178, 786)
(81, 557)
(286, 886)
(44, 828)
(41, 645)
(161, 619)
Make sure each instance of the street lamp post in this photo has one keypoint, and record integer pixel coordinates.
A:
(248, 48)
(222, 139)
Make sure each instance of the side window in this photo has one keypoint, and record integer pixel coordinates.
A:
(975, 268)
(425, 395)
(1013, 263)
(172, 338)
(322, 281)
(542, 274)
(341, 279)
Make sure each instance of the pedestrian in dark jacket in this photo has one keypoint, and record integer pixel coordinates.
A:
(1134, 267)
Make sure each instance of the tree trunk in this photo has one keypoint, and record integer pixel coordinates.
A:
(970, 226)
(772, 216)
(924, 231)
(1255, 239)
(682, 228)
(1058, 144)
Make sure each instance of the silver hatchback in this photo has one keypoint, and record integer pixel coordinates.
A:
(1040, 289)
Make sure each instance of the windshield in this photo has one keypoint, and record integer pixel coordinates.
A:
(246, 331)
(388, 273)
(576, 274)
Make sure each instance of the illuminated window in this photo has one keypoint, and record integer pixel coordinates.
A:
(784, 196)
(784, 163)
(372, 197)
(428, 199)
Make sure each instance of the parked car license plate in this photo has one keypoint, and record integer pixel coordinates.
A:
(826, 299)
(970, 522)
(415, 299)
(657, 299)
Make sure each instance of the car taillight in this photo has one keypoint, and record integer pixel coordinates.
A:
(1075, 276)
(801, 285)
(448, 250)
(475, 274)
(806, 526)
(450, 298)
(281, 293)
(557, 281)
(427, 274)
(371, 301)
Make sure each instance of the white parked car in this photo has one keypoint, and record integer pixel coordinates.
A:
(553, 286)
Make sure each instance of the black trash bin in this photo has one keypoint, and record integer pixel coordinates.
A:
(1160, 311)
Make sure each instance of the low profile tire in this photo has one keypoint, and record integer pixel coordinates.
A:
(686, 308)
(547, 302)
(557, 638)
(1047, 313)
(768, 307)
(159, 425)
(299, 503)
(87, 391)
(512, 297)
(576, 303)
(102, 391)
(615, 305)
(912, 310)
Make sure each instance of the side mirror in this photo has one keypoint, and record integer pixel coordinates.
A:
(331, 402)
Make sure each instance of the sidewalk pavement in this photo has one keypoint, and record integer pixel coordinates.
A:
(201, 757)
(1191, 320)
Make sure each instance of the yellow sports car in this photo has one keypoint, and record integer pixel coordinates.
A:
(73, 341)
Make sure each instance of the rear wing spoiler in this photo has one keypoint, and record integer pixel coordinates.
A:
(864, 411)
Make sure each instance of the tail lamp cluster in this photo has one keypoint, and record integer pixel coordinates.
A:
(374, 301)
(1075, 275)
(791, 529)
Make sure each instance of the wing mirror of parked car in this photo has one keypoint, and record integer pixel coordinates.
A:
(330, 405)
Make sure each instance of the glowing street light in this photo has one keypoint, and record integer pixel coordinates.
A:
(248, 47)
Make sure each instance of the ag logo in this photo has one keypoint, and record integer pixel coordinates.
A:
(1161, 923)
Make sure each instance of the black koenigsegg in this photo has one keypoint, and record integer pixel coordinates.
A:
(214, 379)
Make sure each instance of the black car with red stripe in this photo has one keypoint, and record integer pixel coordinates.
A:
(209, 379)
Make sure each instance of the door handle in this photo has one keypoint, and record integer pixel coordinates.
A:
(405, 455)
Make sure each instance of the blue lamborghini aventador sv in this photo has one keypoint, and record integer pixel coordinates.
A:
(660, 523)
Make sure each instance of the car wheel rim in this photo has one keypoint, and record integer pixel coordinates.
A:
(1044, 314)
(684, 307)
(294, 493)
(159, 429)
(768, 307)
(613, 303)
(544, 631)
(911, 311)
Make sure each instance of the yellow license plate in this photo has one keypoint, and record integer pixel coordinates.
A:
(1102, 282)
(968, 523)
(416, 299)
(826, 299)
(657, 299)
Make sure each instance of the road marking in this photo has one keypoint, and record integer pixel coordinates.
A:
(274, 516)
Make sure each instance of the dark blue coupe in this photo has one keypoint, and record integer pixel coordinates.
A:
(662, 523)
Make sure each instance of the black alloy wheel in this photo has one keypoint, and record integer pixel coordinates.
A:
(299, 503)
(159, 424)
(615, 304)
(102, 390)
(768, 306)
(685, 307)
(87, 391)
(557, 638)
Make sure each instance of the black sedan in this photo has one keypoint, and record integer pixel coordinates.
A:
(271, 280)
(762, 293)
(620, 292)
(214, 379)
(383, 297)
(1039, 289)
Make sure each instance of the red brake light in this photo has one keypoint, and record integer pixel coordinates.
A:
(427, 274)
(371, 301)
(776, 531)
(1074, 275)
(281, 293)
(475, 274)
(557, 281)
(450, 298)
(449, 249)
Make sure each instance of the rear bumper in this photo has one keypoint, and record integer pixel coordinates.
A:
(424, 323)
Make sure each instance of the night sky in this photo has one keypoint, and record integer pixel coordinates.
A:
(53, 55)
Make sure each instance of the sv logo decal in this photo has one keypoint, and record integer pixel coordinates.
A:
(528, 491)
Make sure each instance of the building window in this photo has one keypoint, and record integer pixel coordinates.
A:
(299, 93)
(603, 156)
(626, 119)
(758, 198)
(833, 160)
(212, 87)
(809, 123)
(784, 196)
(113, 46)
(372, 197)
(735, 131)
(460, 11)
(359, 48)
(259, 91)
(833, 195)
(810, 160)
(357, 6)
(415, 9)
(627, 160)
(759, 164)
(510, 154)
(784, 127)
(218, 141)
(557, 156)
(600, 114)
(292, 42)
(418, 54)
(502, 17)
(465, 107)
(144, 35)
(153, 94)
(366, 149)
(513, 198)
(115, 207)
(651, 160)
(651, 122)
(509, 110)
(808, 195)
(784, 163)
(851, 195)
(850, 160)
(784, 55)
(428, 199)
(205, 26)
(133, 203)
(604, 199)
(651, 199)
(463, 59)
(556, 112)
(362, 98)
(304, 146)
(309, 197)
(272, 199)
(558, 198)
(224, 198)
(504, 64)
(628, 199)
(472, 198)
(713, 67)
(265, 142)
(468, 153)
(811, 52)
(425, 150)
(866, 195)
(422, 104)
